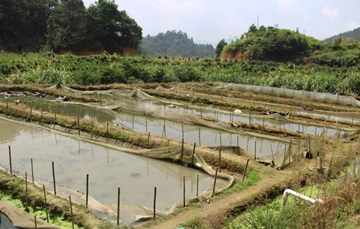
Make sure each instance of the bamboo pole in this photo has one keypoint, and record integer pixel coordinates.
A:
(10, 163)
(154, 203)
(54, 180)
(184, 191)
(118, 208)
(87, 190)
(220, 159)
(246, 167)
(216, 172)
(71, 212)
(45, 206)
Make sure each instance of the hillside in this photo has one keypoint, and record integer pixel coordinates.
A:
(282, 45)
(354, 34)
(174, 44)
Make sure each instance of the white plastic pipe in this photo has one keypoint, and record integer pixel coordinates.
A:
(299, 195)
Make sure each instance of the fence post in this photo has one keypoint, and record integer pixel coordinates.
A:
(72, 215)
(154, 203)
(118, 208)
(184, 191)
(53, 171)
(220, 159)
(216, 172)
(45, 206)
(247, 163)
(10, 160)
(87, 190)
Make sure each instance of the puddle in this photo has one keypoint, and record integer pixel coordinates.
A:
(136, 175)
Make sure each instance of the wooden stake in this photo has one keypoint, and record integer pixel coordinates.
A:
(71, 211)
(220, 159)
(87, 190)
(193, 155)
(32, 171)
(35, 221)
(118, 208)
(154, 203)
(247, 163)
(53, 171)
(184, 191)
(148, 140)
(216, 172)
(45, 206)
(197, 185)
(10, 160)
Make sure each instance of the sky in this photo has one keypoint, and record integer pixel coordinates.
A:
(209, 21)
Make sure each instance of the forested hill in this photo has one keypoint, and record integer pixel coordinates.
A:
(355, 34)
(35, 25)
(174, 44)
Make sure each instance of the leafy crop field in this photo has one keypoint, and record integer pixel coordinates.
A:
(69, 69)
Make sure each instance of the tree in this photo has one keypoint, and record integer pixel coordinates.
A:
(219, 47)
(337, 43)
(110, 28)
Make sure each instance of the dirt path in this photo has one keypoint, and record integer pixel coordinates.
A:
(269, 178)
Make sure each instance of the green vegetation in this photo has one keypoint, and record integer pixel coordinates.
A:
(55, 219)
(252, 177)
(350, 35)
(107, 69)
(219, 47)
(285, 45)
(66, 26)
(174, 44)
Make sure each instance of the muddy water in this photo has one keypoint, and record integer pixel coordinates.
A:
(191, 133)
(108, 169)
(245, 118)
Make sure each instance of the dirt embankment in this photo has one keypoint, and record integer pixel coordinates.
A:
(230, 56)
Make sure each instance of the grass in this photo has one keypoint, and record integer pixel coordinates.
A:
(252, 177)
